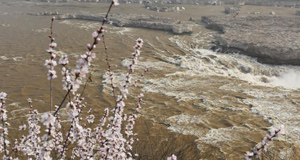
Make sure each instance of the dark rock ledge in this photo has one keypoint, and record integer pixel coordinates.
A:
(135, 20)
(273, 40)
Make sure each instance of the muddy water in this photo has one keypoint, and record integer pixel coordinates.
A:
(226, 102)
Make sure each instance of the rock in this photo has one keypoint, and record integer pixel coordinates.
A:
(134, 20)
(264, 79)
(245, 69)
(163, 8)
(213, 3)
(272, 13)
(274, 40)
(44, 13)
(180, 29)
(241, 3)
(192, 19)
(253, 13)
(231, 10)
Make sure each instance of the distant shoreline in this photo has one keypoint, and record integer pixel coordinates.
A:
(271, 38)
(277, 3)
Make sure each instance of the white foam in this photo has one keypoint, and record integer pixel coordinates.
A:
(5, 25)
(218, 137)
(86, 25)
(4, 58)
(123, 30)
(206, 63)
(42, 30)
(17, 59)
(185, 124)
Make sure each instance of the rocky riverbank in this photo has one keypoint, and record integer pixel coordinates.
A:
(274, 40)
(135, 20)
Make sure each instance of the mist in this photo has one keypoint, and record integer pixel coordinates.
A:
(289, 79)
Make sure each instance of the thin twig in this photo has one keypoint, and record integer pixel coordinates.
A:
(92, 47)
(51, 98)
(51, 90)
(89, 79)
(106, 57)
(62, 102)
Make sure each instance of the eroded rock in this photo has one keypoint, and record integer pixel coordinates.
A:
(274, 40)
(134, 20)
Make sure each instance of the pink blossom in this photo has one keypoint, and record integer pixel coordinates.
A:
(51, 74)
(264, 144)
(249, 154)
(248, 158)
(77, 72)
(50, 50)
(29, 100)
(53, 55)
(173, 157)
(84, 70)
(141, 95)
(64, 60)
(98, 40)
(76, 84)
(90, 118)
(47, 156)
(4, 114)
(93, 55)
(81, 62)
(52, 45)
(108, 138)
(139, 41)
(3, 96)
(22, 127)
(48, 119)
(88, 46)
(116, 3)
(95, 34)
(50, 63)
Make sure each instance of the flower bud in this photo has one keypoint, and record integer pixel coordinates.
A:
(95, 34)
(98, 40)
(88, 46)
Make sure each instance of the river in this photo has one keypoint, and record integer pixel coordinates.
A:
(226, 102)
